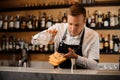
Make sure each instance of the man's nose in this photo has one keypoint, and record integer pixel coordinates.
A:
(72, 27)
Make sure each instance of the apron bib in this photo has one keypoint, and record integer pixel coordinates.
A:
(63, 48)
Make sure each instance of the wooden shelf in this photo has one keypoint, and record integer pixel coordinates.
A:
(97, 3)
(106, 28)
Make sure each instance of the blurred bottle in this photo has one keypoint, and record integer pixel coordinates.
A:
(106, 45)
(99, 23)
(3, 45)
(11, 22)
(5, 23)
(23, 23)
(88, 19)
(30, 22)
(49, 21)
(101, 43)
(92, 24)
(111, 44)
(17, 22)
(1, 22)
(119, 17)
(106, 21)
(112, 21)
(64, 18)
(43, 20)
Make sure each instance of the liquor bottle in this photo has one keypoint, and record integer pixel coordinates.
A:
(116, 45)
(111, 44)
(84, 1)
(45, 48)
(29, 47)
(96, 16)
(33, 47)
(7, 44)
(116, 20)
(1, 22)
(22, 43)
(17, 22)
(26, 45)
(106, 21)
(43, 20)
(99, 21)
(101, 43)
(106, 45)
(51, 48)
(49, 22)
(11, 22)
(119, 44)
(119, 17)
(30, 22)
(14, 44)
(10, 43)
(109, 15)
(88, 19)
(92, 24)
(112, 21)
(41, 48)
(5, 23)
(64, 18)
(3, 45)
(36, 22)
(17, 46)
(37, 49)
(23, 23)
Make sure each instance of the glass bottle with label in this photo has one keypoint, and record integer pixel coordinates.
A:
(49, 21)
(23, 23)
(30, 22)
(99, 22)
(64, 18)
(119, 17)
(5, 23)
(11, 22)
(43, 20)
(17, 22)
(93, 24)
(111, 44)
(3, 45)
(1, 22)
(101, 43)
(36, 22)
(106, 21)
(10, 44)
(112, 21)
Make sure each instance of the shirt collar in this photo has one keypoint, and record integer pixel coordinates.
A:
(77, 36)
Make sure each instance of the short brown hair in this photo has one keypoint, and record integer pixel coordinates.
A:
(77, 9)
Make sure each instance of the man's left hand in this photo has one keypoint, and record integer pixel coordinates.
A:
(71, 54)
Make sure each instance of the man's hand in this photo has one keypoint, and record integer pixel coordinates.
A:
(71, 54)
(53, 32)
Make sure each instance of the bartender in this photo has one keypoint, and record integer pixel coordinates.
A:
(75, 40)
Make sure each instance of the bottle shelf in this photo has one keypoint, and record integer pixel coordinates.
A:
(28, 52)
(106, 28)
(25, 8)
(21, 30)
(111, 53)
(41, 29)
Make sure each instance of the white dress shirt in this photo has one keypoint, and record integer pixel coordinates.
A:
(90, 47)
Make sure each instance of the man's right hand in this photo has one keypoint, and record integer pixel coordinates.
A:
(53, 32)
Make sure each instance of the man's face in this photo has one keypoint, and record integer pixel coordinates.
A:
(75, 24)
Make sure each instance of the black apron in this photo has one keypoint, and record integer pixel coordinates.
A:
(63, 48)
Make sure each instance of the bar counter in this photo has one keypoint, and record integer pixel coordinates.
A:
(20, 73)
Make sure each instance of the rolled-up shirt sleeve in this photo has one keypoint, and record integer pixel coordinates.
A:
(90, 54)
